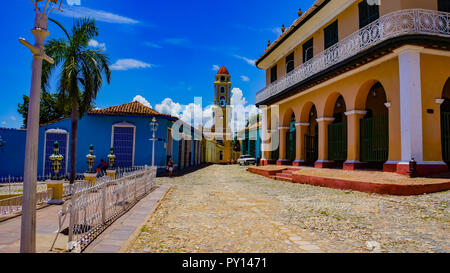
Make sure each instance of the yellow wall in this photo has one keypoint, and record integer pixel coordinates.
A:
(433, 81)
(355, 90)
(348, 23)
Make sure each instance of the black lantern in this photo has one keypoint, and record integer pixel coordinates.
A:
(412, 168)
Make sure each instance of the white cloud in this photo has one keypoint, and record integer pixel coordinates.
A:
(241, 111)
(13, 118)
(277, 31)
(152, 45)
(192, 112)
(142, 100)
(177, 41)
(245, 78)
(96, 44)
(74, 2)
(99, 15)
(215, 67)
(127, 64)
(167, 106)
(4, 122)
(249, 61)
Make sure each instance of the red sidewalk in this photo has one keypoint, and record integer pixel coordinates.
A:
(364, 181)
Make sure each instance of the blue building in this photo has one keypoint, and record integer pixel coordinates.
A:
(125, 127)
(250, 140)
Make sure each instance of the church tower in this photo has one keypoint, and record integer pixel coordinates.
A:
(222, 112)
(222, 98)
(222, 87)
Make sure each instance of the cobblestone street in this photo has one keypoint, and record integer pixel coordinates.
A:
(227, 209)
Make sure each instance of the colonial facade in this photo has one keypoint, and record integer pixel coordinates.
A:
(364, 85)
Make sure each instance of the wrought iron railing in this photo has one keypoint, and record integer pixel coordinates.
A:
(399, 23)
(93, 208)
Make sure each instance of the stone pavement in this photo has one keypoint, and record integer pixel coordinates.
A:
(212, 210)
(228, 209)
(46, 228)
(116, 238)
(113, 239)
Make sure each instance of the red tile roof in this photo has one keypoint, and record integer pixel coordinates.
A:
(223, 71)
(134, 108)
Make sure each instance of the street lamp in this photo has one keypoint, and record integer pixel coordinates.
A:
(28, 225)
(154, 126)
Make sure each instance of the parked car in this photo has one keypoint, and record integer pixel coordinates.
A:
(246, 159)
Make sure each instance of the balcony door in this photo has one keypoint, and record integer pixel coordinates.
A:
(444, 5)
(368, 13)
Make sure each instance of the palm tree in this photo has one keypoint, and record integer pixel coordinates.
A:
(81, 76)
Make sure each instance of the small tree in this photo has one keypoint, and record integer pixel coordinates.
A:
(50, 109)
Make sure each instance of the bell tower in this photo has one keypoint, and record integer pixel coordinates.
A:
(222, 112)
(222, 87)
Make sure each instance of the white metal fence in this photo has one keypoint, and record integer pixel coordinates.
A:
(93, 208)
(395, 24)
(14, 204)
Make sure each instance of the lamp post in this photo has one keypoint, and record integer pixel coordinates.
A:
(154, 126)
(28, 225)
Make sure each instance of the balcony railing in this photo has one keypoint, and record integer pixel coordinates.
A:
(414, 21)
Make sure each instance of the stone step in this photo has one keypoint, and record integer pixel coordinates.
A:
(282, 178)
(284, 175)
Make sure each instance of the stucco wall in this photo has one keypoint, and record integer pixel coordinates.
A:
(92, 129)
(12, 152)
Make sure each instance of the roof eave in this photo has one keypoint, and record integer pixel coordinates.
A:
(312, 11)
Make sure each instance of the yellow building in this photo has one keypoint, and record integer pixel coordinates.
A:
(220, 135)
(365, 85)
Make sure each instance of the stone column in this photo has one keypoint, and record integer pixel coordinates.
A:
(282, 155)
(264, 154)
(353, 139)
(411, 113)
(323, 161)
(300, 154)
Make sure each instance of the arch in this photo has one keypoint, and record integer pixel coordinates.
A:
(330, 104)
(339, 110)
(375, 101)
(286, 118)
(374, 126)
(305, 111)
(312, 135)
(337, 131)
(446, 89)
(445, 122)
(365, 88)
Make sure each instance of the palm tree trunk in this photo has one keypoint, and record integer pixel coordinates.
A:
(73, 142)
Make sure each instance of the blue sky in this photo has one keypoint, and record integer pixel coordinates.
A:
(160, 50)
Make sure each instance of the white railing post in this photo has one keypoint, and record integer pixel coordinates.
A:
(135, 186)
(103, 202)
(145, 178)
